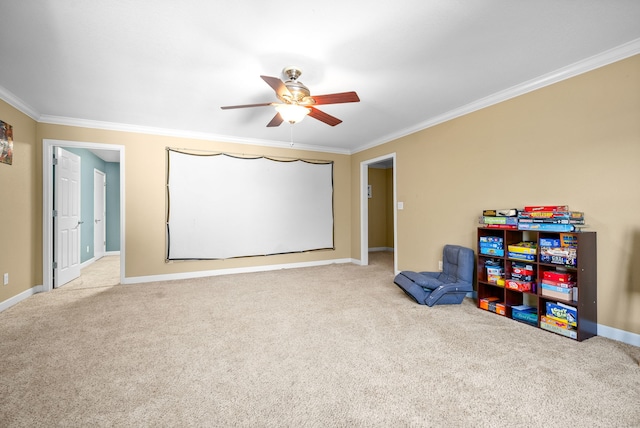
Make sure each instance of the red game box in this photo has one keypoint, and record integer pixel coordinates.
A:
(558, 276)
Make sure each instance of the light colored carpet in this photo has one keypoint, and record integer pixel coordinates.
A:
(332, 346)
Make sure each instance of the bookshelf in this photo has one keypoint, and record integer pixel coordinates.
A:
(584, 274)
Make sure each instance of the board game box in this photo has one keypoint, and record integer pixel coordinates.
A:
(525, 314)
(520, 256)
(548, 227)
(553, 275)
(549, 242)
(563, 312)
(554, 328)
(523, 248)
(533, 208)
(514, 284)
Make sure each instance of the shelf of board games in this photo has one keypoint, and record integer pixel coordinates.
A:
(584, 274)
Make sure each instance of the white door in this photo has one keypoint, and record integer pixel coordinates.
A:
(67, 218)
(99, 214)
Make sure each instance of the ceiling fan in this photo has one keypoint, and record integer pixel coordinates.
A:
(296, 100)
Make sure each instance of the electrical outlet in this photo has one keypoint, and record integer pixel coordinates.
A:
(87, 248)
(5, 279)
(440, 265)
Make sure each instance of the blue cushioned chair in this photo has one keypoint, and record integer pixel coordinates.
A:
(448, 287)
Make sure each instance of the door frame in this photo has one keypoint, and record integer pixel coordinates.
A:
(364, 210)
(48, 146)
(102, 202)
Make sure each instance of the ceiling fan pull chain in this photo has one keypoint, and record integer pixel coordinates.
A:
(291, 127)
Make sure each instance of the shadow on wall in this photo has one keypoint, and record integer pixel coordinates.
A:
(632, 287)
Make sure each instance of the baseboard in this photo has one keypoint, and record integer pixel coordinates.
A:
(619, 335)
(218, 272)
(112, 253)
(603, 330)
(87, 263)
(377, 249)
(20, 297)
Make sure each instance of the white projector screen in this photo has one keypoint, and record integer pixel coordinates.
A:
(222, 206)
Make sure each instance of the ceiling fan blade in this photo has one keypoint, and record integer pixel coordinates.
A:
(324, 117)
(278, 86)
(276, 121)
(342, 97)
(246, 105)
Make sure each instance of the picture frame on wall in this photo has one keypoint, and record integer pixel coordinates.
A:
(6, 143)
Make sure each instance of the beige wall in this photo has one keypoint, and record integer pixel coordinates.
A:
(576, 142)
(145, 199)
(20, 208)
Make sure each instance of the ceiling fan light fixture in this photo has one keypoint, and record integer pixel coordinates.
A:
(296, 101)
(292, 113)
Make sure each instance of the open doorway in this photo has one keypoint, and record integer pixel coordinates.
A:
(387, 163)
(112, 155)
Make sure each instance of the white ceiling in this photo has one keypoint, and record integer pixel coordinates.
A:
(167, 66)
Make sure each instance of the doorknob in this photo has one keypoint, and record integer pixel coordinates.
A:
(79, 223)
(97, 220)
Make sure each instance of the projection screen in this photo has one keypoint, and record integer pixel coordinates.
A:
(224, 206)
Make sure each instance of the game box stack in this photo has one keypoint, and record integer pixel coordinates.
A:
(550, 218)
(500, 219)
(561, 251)
(560, 318)
(493, 304)
(523, 251)
(492, 246)
(495, 272)
(559, 285)
(522, 277)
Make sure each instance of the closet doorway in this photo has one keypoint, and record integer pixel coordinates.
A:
(368, 192)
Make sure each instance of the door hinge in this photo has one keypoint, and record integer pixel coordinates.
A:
(55, 265)
(55, 160)
(55, 213)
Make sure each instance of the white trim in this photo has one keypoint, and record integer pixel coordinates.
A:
(20, 297)
(230, 271)
(364, 209)
(111, 126)
(87, 263)
(607, 57)
(18, 104)
(112, 253)
(619, 335)
(600, 60)
(47, 203)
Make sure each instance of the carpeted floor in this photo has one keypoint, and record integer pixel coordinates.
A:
(331, 346)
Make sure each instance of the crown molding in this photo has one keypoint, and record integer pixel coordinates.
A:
(18, 104)
(122, 127)
(600, 60)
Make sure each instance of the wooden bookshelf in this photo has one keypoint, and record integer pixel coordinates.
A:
(584, 273)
